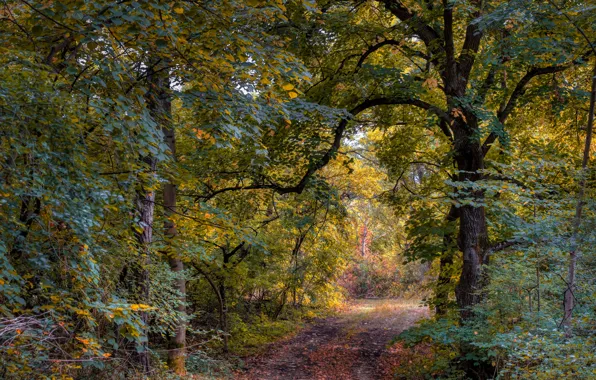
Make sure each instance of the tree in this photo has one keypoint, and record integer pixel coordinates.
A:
(457, 90)
(109, 79)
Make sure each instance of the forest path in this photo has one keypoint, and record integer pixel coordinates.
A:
(351, 345)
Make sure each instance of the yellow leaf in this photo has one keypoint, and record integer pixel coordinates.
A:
(288, 87)
(179, 10)
(83, 340)
(293, 94)
(139, 306)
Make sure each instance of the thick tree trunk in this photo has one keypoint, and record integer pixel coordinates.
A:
(473, 240)
(473, 236)
(569, 297)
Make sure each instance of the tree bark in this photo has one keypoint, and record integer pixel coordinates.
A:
(177, 351)
(160, 105)
(473, 240)
(473, 236)
(569, 297)
(145, 207)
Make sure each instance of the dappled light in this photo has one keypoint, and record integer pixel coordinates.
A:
(297, 189)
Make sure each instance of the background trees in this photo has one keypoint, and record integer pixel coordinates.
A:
(175, 171)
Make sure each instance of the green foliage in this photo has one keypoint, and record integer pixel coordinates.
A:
(79, 126)
(317, 148)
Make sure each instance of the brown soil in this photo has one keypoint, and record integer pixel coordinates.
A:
(348, 346)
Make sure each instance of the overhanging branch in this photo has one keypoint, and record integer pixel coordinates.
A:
(335, 145)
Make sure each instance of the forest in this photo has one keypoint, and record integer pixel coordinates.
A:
(297, 189)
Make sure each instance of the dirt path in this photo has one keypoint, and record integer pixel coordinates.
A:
(349, 346)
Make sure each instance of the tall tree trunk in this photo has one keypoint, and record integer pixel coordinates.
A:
(160, 105)
(569, 297)
(177, 351)
(145, 206)
(473, 235)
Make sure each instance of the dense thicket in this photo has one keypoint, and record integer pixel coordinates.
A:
(181, 180)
